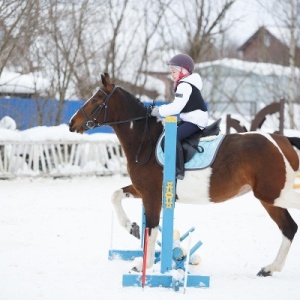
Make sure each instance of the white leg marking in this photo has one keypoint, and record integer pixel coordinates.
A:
(151, 247)
(279, 261)
(116, 200)
(150, 252)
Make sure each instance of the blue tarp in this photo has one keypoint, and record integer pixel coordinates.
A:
(41, 112)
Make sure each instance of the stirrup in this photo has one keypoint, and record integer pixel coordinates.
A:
(179, 174)
(180, 177)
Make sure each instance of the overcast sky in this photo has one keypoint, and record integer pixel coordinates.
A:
(250, 16)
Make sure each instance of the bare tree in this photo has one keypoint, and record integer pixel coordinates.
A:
(61, 44)
(116, 17)
(152, 20)
(198, 22)
(17, 24)
(71, 42)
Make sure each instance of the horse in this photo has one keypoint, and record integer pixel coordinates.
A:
(257, 161)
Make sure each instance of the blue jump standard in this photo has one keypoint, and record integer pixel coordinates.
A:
(165, 280)
(166, 255)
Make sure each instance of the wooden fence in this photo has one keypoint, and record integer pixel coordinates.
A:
(59, 159)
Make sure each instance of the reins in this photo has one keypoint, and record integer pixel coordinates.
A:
(90, 124)
(140, 146)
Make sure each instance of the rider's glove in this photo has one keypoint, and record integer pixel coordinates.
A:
(155, 112)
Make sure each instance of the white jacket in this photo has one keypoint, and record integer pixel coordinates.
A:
(198, 117)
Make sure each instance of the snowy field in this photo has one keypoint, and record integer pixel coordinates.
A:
(55, 236)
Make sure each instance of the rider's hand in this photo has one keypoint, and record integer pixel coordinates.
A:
(155, 112)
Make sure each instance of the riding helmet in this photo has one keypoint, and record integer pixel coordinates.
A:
(182, 60)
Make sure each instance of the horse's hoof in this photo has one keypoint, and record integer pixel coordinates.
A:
(264, 273)
(135, 230)
(134, 269)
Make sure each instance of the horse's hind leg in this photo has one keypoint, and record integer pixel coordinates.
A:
(288, 228)
(116, 199)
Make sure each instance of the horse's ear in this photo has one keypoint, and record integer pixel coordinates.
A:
(105, 79)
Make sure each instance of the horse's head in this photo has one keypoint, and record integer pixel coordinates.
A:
(94, 111)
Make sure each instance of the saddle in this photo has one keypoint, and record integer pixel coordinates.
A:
(190, 144)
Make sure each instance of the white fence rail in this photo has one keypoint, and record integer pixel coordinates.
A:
(57, 158)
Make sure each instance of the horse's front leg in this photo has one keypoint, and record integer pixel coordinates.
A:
(152, 205)
(116, 199)
(150, 251)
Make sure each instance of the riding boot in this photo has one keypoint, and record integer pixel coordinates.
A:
(179, 162)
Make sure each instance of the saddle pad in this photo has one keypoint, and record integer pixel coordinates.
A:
(199, 160)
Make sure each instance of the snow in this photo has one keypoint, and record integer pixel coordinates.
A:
(51, 133)
(16, 83)
(55, 236)
(8, 123)
(265, 69)
(56, 233)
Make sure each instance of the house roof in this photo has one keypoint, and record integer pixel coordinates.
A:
(283, 34)
(252, 37)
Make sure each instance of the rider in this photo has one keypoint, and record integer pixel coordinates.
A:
(188, 103)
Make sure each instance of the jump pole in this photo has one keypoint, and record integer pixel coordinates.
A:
(165, 278)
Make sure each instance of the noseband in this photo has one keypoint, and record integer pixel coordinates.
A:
(90, 124)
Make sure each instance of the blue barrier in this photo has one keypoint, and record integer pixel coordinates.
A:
(29, 112)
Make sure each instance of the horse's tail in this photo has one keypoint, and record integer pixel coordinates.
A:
(295, 141)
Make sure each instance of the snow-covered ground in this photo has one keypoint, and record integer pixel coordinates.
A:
(55, 236)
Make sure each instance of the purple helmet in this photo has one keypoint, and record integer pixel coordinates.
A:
(184, 61)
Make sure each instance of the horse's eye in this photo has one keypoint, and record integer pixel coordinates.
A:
(97, 100)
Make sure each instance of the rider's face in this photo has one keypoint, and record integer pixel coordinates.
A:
(174, 73)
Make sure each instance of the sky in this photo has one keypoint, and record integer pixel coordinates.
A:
(250, 16)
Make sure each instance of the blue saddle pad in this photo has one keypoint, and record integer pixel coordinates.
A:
(199, 160)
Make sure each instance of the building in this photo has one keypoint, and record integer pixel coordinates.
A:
(241, 87)
(269, 45)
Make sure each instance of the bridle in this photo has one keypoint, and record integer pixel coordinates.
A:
(91, 121)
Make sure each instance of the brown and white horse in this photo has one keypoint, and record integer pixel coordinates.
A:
(265, 163)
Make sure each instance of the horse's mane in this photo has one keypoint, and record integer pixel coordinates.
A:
(134, 98)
